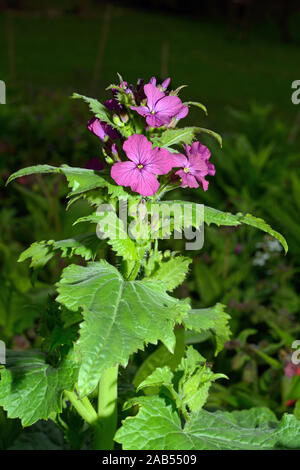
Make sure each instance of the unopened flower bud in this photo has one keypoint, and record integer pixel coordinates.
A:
(142, 209)
(117, 120)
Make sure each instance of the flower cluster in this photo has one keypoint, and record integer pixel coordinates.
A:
(142, 114)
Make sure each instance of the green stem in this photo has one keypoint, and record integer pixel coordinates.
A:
(107, 410)
(108, 396)
(84, 408)
(135, 271)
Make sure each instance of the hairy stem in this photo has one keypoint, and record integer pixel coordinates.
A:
(107, 410)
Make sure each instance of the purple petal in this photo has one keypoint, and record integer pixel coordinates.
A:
(124, 173)
(153, 95)
(211, 169)
(204, 183)
(197, 164)
(183, 112)
(198, 148)
(95, 126)
(102, 129)
(188, 150)
(179, 160)
(142, 110)
(165, 83)
(138, 148)
(160, 162)
(152, 81)
(187, 179)
(145, 184)
(154, 120)
(169, 105)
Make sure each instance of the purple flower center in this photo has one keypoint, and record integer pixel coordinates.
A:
(140, 166)
(186, 170)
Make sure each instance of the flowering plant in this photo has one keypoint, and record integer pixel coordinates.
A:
(101, 316)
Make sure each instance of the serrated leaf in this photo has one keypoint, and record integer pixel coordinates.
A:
(97, 108)
(194, 385)
(80, 180)
(171, 137)
(213, 318)
(214, 216)
(193, 380)
(85, 245)
(31, 389)
(114, 233)
(39, 253)
(119, 317)
(161, 357)
(184, 135)
(158, 427)
(161, 376)
(226, 218)
(31, 170)
(172, 272)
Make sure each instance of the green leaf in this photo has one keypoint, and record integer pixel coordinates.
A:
(297, 409)
(226, 218)
(184, 135)
(39, 253)
(198, 105)
(97, 108)
(214, 216)
(213, 318)
(161, 376)
(193, 380)
(119, 317)
(174, 215)
(171, 137)
(31, 389)
(31, 170)
(80, 180)
(161, 357)
(213, 134)
(158, 427)
(85, 245)
(114, 233)
(172, 272)
(196, 380)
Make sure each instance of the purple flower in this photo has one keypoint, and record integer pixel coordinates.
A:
(164, 84)
(195, 166)
(145, 163)
(291, 369)
(160, 108)
(94, 164)
(238, 248)
(102, 129)
(139, 93)
(113, 105)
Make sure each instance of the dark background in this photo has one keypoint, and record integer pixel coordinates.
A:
(237, 57)
(227, 52)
